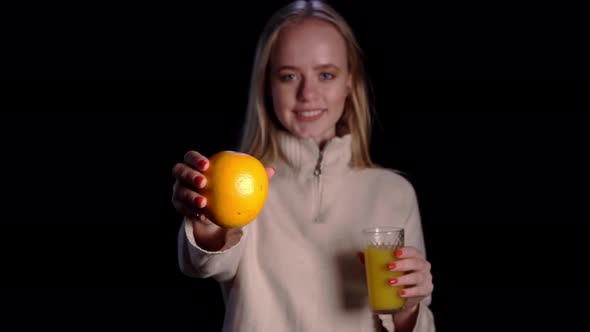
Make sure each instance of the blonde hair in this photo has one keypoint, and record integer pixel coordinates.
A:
(259, 136)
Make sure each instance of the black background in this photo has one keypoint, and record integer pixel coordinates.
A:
(88, 232)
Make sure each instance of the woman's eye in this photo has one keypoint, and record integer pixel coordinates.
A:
(288, 77)
(327, 76)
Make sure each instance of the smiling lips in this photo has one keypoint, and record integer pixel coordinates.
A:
(309, 114)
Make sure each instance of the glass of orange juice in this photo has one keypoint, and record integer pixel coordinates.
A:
(380, 244)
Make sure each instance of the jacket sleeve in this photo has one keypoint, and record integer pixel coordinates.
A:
(199, 263)
(414, 237)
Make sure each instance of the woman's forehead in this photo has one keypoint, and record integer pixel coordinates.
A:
(309, 42)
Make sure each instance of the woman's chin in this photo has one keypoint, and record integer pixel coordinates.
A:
(317, 136)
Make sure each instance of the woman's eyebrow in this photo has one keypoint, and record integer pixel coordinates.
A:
(318, 67)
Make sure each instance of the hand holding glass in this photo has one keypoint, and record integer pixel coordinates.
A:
(380, 244)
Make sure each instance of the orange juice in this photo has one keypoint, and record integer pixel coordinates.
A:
(383, 298)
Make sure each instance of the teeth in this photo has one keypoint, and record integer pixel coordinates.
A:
(310, 113)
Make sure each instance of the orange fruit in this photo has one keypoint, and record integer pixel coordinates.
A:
(236, 189)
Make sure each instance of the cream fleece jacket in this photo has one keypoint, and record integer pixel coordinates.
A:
(295, 267)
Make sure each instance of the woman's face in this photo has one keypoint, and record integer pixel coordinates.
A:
(309, 79)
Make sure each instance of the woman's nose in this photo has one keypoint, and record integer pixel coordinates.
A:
(307, 90)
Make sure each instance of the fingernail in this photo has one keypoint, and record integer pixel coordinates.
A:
(200, 201)
(399, 252)
(199, 181)
(202, 163)
(391, 266)
(402, 292)
(392, 281)
(361, 257)
(201, 217)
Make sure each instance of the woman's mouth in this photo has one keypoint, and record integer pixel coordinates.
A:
(309, 115)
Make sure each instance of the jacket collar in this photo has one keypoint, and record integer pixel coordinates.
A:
(302, 156)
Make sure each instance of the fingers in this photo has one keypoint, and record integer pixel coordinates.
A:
(188, 197)
(410, 264)
(417, 277)
(414, 288)
(196, 160)
(189, 172)
(411, 279)
(187, 201)
(406, 252)
(189, 176)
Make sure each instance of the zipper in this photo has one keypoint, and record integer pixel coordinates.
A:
(317, 203)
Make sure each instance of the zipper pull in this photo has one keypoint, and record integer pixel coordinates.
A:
(318, 166)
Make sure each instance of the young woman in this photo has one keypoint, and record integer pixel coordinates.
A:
(295, 268)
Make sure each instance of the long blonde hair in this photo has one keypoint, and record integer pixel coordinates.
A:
(259, 136)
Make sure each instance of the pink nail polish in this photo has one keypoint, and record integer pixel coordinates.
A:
(199, 201)
(398, 252)
(202, 164)
(391, 266)
(392, 281)
(361, 257)
(199, 180)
